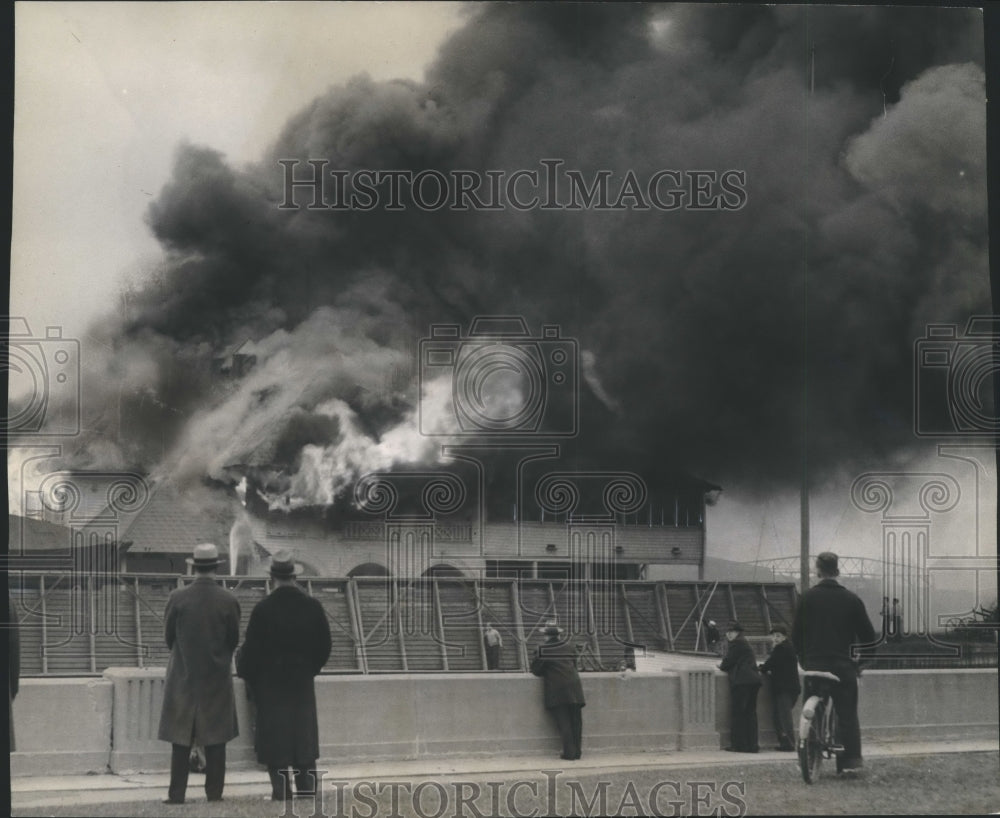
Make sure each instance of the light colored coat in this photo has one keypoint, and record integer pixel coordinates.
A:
(202, 629)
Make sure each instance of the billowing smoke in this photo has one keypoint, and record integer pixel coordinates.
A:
(861, 135)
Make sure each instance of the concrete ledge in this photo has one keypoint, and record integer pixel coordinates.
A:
(71, 726)
(62, 726)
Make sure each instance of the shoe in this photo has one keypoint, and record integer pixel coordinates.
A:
(215, 798)
(172, 801)
(305, 794)
(781, 748)
(730, 749)
(565, 757)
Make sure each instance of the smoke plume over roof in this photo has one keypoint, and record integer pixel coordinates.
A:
(861, 134)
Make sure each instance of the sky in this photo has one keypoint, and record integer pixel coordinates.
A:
(855, 217)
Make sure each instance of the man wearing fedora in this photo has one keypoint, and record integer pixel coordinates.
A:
(287, 643)
(829, 622)
(744, 683)
(202, 629)
(555, 663)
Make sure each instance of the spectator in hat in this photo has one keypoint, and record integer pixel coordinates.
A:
(555, 663)
(744, 683)
(493, 642)
(829, 623)
(287, 643)
(202, 629)
(782, 670)
(712, 636)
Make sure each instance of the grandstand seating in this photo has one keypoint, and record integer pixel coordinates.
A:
(75, 624)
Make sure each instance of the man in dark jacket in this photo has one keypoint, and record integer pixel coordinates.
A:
(829, 622)
(782, 668)
(202, 629)
(555, 663)
(286, 646)
(744, 683)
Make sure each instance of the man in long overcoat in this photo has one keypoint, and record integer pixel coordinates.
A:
(202, 629)
(287, 643)
(744, 683)
(555, 663)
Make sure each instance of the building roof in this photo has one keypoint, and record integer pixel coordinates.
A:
(175, 520)
(29, 535)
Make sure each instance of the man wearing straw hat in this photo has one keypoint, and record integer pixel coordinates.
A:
(286, 646)
(202, 629)
(555, 663)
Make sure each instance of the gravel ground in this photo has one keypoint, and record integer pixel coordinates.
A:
(943, 784)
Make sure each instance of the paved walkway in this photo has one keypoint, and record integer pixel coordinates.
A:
(72, 790)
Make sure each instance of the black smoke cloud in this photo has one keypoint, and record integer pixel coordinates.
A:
(862, 136)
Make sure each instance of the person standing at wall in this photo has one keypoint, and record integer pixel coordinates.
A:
(202, 629)
(287, 643)
(782, 668)
(493, 642)
(897, 621)
(744, 684)
(555, 663)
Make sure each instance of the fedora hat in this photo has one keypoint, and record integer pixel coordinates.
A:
(205, 555)
(282, 565)
(734, 626)
(552, 629)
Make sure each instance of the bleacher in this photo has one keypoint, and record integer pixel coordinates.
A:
(79, 625)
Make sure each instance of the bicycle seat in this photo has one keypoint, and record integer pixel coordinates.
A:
(821, 674)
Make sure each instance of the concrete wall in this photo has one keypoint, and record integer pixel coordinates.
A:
(82, 725)
(62, 726)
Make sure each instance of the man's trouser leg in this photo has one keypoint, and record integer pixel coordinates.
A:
(561, 713)
(215, 771)
(281, 783)
(783, 725)
(845, 701)
(305, 778)
(180, 757)
(576, 716)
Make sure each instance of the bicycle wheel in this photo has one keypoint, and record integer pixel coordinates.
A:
(811, 746)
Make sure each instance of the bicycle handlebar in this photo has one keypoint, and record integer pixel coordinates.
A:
(822, 674)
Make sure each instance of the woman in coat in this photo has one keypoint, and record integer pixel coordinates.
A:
(744, 683)
(286, 646)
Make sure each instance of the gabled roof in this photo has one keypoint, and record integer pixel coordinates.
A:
(175, 520)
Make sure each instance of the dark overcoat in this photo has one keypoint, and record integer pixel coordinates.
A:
(555, 663)
(782, 667)
(741, 663)
(202, 629)
(830, 620)
(286, 646)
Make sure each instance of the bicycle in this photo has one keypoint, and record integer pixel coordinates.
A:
(818, 724)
